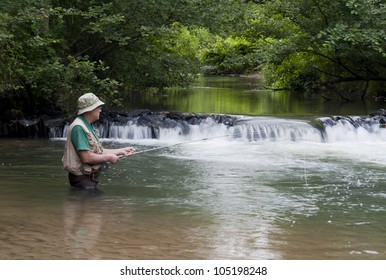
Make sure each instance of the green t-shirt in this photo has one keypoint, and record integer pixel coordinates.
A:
(79, 136)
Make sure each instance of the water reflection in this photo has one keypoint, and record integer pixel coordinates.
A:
(83, 220)
(246, 96)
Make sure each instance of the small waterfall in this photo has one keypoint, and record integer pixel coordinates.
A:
(248, 129)
(352, 129)
(271, 129)
(180, 130)
(130, 131)
(186, 127)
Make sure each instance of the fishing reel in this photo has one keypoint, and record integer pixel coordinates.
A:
(104, 166)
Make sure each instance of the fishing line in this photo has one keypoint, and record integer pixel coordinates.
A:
(304, 168)
(180, 143)
(105, 165)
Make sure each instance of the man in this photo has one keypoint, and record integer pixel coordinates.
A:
(83, 153)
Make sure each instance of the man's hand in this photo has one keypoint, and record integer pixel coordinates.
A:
(129, 150)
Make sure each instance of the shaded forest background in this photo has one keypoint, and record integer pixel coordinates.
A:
(52, 51)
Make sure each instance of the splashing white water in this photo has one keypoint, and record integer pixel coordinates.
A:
(252, 129)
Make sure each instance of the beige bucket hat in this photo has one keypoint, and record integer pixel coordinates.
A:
(88, 102)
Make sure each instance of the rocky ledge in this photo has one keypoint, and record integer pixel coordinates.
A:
(375, 118)
(42, 127)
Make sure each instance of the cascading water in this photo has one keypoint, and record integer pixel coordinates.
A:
(336, 129)
(352, 129)
(271, 129)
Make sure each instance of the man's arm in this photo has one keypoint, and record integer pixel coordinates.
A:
(120, 152)
(90, 158)
(82, 147)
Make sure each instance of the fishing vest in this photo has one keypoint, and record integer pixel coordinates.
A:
(71, 161)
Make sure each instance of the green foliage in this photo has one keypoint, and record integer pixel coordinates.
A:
(303, 76)
(232, 55)
(81, 76)
(169, 58)
(310, 45)
(27, 52)
(35, 78)
(52, 51)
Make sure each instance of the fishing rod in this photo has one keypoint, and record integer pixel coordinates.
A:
(180, 143)
(105, 165)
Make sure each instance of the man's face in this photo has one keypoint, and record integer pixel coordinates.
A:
(93, 115)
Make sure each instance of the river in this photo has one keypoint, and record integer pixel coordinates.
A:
(216, 193)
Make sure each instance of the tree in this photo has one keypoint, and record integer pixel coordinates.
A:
(37, 73)
(54, 50)
(319, 44)
(232, 55)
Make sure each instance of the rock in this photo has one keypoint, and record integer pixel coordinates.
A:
(379, 112)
